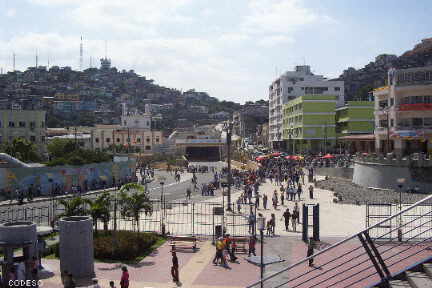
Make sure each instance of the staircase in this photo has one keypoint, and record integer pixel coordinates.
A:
(396, 252)
(419, 276)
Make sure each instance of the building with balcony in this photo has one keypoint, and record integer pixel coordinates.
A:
(293, 84)
(27, 124)
(355, 117)
(403, 112)
(309, 124)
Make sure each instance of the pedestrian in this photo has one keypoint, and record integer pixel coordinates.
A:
(297, 212)
(294, 221)
(310, 251)
(273, 222)
(111, 283)
(252, 242)
(311, 190)
(174, 268)
(269, 227)
(251, 222)
(219, 251)
(188, 193)
(124, 281)
(257, 201)
(299, 190)
(265, 201)
(282, 198)
(287, 215)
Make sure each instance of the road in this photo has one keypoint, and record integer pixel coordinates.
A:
(172, 190)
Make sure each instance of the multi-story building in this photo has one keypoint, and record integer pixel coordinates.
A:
(309, 124)
(403, 112)
(355, 117)
(28, 124)
(293, 84)
(134, 131)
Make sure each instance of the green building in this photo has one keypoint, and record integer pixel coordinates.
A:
(309, 124)
(356, 117)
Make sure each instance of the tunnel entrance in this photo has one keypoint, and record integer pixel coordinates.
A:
(203, 153)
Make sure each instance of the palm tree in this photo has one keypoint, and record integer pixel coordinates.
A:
(73, 207)
(99, 208)
(132, 204)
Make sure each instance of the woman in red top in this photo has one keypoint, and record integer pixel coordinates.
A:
(124, 282)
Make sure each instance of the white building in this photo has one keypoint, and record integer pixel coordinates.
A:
(293, 84)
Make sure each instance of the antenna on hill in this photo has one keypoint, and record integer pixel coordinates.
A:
(13, 61)
(91, 62)
(48, 63)
(81, 55)
(36, 59)
(106, 45)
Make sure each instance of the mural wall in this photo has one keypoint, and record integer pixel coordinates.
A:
(64, 177)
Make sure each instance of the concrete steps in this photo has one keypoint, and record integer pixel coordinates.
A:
(419, 276)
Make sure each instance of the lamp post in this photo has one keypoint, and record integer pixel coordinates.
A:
(228, 127)
(261, 226)
(50, 180)
(162, 201)
(400, 182)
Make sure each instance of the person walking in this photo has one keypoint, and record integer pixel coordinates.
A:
(273, 223)
(252, 242)
(311, 190)
(287, 215)
(310, 251)
(124, 280)
(174, 267)
(265, 201)
(297, 212)
(294, 220)
(219, 250)
(299, 190)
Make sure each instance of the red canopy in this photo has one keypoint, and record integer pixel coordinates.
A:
(276, 154)
(328, 156)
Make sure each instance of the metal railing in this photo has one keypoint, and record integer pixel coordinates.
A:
(373, 255)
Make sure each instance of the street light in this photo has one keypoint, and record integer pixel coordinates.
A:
(228, 127)
(400, 182)
(261, 226)
(162, 201)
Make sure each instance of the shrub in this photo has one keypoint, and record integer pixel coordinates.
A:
(130, 245)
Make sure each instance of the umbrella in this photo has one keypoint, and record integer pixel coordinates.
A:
(260, 158)
(288, 157)
(328, 156)
(276, 154)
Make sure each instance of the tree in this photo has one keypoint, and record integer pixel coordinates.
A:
(99, 209)
(22, 149)
(132, 204)
(73, 207)
(60, 147)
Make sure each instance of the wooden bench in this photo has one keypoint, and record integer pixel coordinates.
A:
(183, 242)
(242, 243)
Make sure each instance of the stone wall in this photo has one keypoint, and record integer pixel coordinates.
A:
(386, 175)
(335, 172)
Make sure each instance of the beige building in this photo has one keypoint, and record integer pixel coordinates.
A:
(28, 124)
(403, 112)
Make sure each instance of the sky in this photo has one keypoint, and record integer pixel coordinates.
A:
(231, 49)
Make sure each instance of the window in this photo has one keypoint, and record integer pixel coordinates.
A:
(148, 123)
(391, 101)
(11, 124)
(32, 138)
(32, 124)
(42, 124)
(118, 140)
(392, 122)
(97, 140)
(417, 122)
(147, 147)
(337, 88)
(22, 124)
(107, 140)
(417, 99)
(139, 140)
(157, 140)
(148, 140)
(427, 122)
(43, 139)
(124, 123)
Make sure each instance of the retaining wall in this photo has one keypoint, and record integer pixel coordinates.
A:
(341, 172)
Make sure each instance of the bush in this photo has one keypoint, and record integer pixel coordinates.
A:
(130, 245)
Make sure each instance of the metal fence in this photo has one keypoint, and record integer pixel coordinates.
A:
(377, 212)
(203, 219)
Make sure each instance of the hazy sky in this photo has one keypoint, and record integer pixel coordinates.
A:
(228, 48)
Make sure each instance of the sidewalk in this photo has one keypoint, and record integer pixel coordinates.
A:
(336, 220)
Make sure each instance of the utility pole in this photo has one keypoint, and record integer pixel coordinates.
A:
(388, 131)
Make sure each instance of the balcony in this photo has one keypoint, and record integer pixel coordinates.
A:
(415, 107)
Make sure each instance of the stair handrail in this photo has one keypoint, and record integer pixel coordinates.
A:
(340, 242)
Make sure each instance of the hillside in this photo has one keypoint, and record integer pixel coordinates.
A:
(359, 82)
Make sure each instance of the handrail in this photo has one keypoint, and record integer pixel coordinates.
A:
(418, 203)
